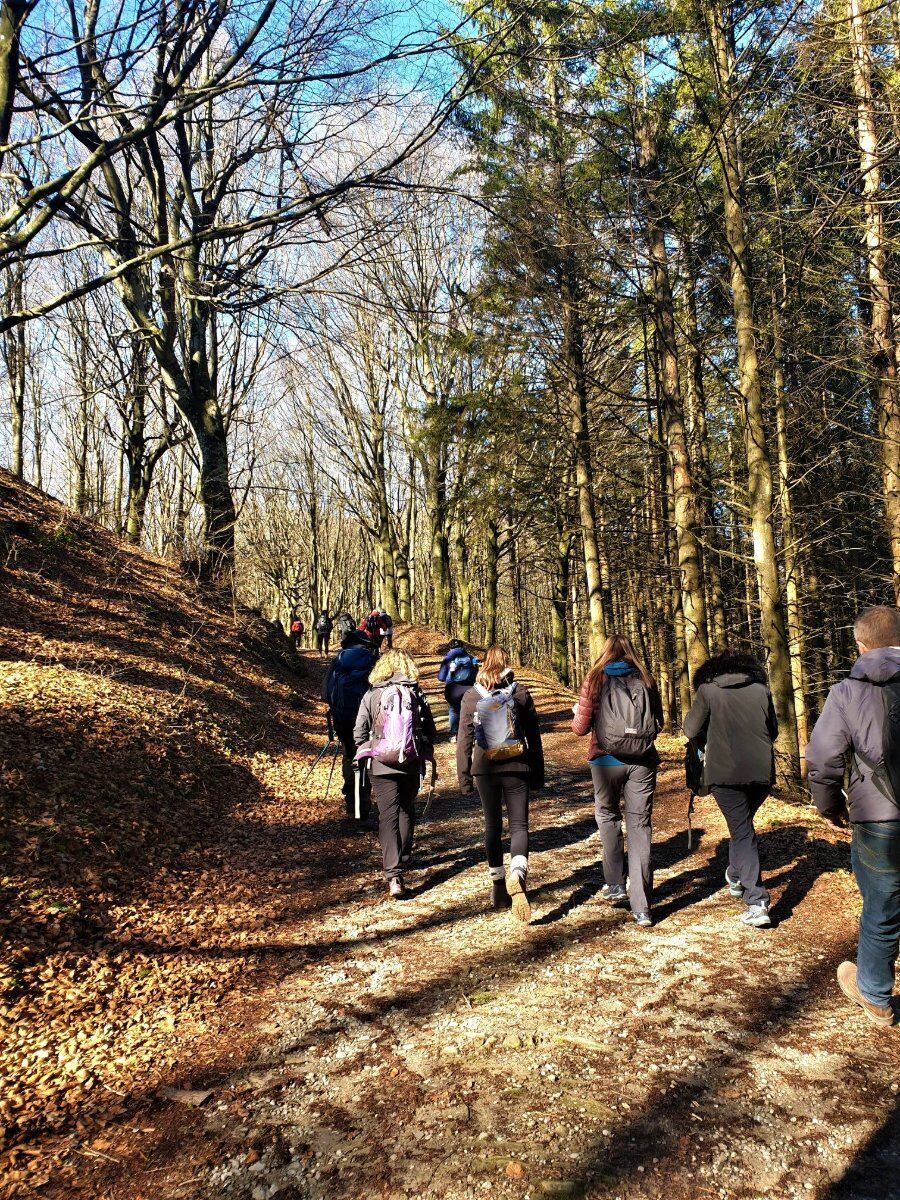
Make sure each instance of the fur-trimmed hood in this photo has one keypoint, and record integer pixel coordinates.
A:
(730, 670)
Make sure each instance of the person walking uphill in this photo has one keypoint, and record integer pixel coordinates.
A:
(457, 672)
(499, 752)
(395, 731)
(733, 720)
(861, 718)
(620, 707)
(324, 626)
(345, 684)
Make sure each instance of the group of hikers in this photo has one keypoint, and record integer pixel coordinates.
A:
(380, 715)
(378, 626)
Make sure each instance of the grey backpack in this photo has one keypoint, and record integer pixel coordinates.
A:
(625, 724)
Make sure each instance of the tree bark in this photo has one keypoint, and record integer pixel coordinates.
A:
(685, 506)
(491, 572)
(759, 468)
(882, 349)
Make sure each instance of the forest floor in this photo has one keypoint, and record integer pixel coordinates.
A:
(206, 993)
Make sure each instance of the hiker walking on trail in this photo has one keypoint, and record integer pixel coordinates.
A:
(457, 672)
(297, 631)
(395, 733)
(345, 684)
(861, 718)
(620, 707)
(379, 626)
(499, 752)
(324, 626)
(733, 723)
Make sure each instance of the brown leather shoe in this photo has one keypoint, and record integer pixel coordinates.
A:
(846, 977)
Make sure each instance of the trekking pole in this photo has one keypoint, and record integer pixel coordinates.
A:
(430, 797)
(334, 756)
(318, 759)
(690, 813)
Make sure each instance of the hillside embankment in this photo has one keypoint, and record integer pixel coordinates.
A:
(206, 993)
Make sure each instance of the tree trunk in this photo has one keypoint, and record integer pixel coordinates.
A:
(882, 349)
(560, 605)
(796, 636)
(491, 572)
(15, 354)
(685, 506)
(759, 469)
(463, 583)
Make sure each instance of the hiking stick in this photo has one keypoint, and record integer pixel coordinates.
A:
(331, 772)
(318, 759)
(690, 813)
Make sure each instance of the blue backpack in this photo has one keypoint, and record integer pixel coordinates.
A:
(462, 669)
(348, 682)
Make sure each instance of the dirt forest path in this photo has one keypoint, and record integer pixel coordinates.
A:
(208, 996)
(436, 1049)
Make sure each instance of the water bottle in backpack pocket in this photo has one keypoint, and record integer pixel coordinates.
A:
(624, 723)
(463, 669)
(497, 727)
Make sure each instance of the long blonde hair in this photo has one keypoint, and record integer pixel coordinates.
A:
(394, 662)
(495, 665)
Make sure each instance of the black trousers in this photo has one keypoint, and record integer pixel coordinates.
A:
(511, 792)
(395, 797)
(322, 642)
(739, 806)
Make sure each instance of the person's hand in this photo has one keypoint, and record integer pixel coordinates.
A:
(839, 820)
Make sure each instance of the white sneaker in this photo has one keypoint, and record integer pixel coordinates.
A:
(757, 915)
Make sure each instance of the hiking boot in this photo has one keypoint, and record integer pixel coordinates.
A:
(500, 897)
(846, 977)
(614, 894)
(757, 915)
(515, 886)
(734, 885)
(643, 919)
(397, 888)
(452, 739)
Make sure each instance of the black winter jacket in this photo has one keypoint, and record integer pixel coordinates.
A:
(471, 759)
(734, 716)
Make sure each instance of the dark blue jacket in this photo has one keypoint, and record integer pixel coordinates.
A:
(346, 683)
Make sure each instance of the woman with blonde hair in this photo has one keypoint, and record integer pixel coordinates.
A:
(499, 752)
(395, 732)
(620, 707)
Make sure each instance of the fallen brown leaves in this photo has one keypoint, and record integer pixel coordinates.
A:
(150, 749)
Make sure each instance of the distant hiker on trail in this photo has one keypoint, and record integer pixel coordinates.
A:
(345, 684)
(861, 718)
(297, 631)
(733, 720)
(324, 626)
(457, 672)
(379, 626)
(395, 733)
(620, 707)
(345, 625)
(499, 752)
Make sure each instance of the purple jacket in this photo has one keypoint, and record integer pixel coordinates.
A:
(853, 719)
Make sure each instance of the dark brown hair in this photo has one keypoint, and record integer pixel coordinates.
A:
(616, 648)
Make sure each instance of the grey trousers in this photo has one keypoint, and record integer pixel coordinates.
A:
(739, 806)
(626, 791)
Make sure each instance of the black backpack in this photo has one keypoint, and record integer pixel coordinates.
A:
(323, 624)
(345, 624)
(624, 723)
(886, 775)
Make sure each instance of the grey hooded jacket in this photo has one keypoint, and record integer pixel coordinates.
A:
(852, 721)
(733, 715)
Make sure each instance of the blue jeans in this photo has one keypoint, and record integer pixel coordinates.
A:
(875, 857)
(452, 719)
